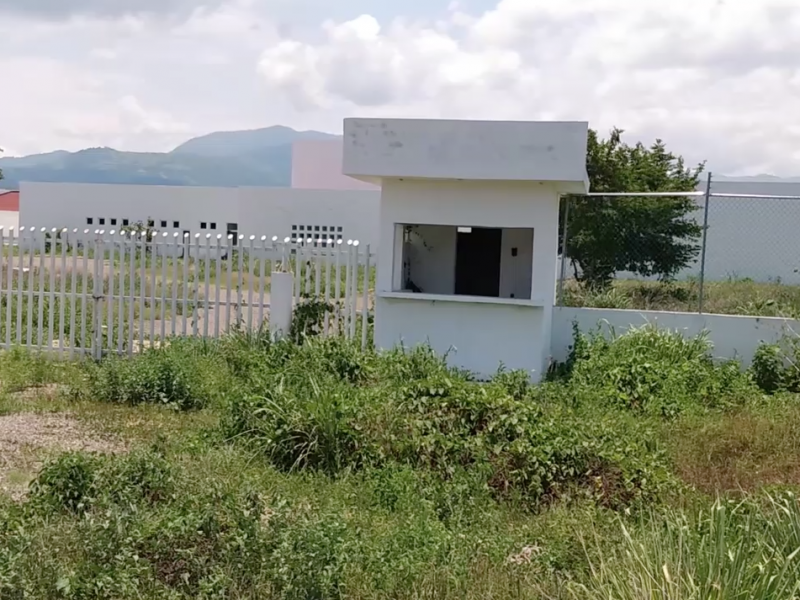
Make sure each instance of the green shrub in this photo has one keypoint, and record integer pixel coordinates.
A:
(656, 371)
(174, 376)
(776, 367)
(67, 483)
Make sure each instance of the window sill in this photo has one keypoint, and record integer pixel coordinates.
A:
(536, 302)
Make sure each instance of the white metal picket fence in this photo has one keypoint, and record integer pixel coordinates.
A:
(94, 293)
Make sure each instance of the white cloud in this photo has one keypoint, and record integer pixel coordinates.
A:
(715, 79)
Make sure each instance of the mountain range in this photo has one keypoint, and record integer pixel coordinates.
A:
(259, 157)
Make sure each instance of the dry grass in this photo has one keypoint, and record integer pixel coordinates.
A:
(733, 297)
(738, 452)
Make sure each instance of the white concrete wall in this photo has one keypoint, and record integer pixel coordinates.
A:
(257, 211)
(478, 337)
(733, 336)
(469, 150)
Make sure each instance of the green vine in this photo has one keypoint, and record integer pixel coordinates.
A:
(308, 319)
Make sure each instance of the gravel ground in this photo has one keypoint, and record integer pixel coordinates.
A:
(27, 439)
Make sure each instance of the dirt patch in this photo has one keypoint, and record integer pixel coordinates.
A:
(27, 439)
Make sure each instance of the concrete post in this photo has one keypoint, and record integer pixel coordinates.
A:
(280, 304)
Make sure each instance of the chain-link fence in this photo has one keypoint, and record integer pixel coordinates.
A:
(726, 249)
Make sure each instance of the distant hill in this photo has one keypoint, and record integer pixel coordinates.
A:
(261, 157)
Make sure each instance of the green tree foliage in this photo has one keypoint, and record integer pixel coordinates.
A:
(647, 236)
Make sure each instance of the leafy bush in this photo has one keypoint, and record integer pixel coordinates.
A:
(175, 376)
(333, 410)
(655, 371)
(776, 367)
(67, 483)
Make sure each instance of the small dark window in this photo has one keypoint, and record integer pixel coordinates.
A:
(176, 224)
(89, 220)
(340, 236)
(213, 226)
(324, 228)
(339, 229)
(308, 227)
(294, 227)
(151, 223)
(101, 221)
(113, 221)
(203, 225)
(316, 227)
(163, 223)
(125, 222)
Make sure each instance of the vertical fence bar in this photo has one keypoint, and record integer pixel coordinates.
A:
(174, 286)
(262, 267)
(250, 265)
(121, 298)
(112, 272)
(217, 283)
(365, 307)
(132, 244)
(163, 287)
(298, 271)
(73, 294)
(20, 282)
(206, 286)
(41, 292)
(97, 297)
(347, 284)
(563, 267)
(198, 263)
(62, 294)
(328, 262)
(187, 241)
(153, 255)
(31, 286)
(354, 295)
(701, 285)
(142, 299)
(239, 288)
(228, 282)
(10, 286)
(337, 313)
(51, 302)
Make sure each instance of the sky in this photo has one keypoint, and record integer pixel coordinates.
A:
(717, 80)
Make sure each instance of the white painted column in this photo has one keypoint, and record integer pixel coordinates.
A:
(280, 304)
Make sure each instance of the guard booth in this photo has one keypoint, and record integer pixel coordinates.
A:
(468, 240)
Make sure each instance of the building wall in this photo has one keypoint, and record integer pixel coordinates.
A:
(477, 337)
(317, 165)
(257, 211)
(733, 336)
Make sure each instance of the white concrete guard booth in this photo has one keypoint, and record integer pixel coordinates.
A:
(468, 236)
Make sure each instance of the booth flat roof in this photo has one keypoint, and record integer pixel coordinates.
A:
(553, 151)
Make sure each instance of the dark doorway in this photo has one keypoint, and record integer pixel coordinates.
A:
(478, 262)
(233, 229)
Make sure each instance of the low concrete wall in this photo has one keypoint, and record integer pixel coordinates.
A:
(733, 336)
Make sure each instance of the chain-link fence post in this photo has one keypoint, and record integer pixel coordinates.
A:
(563, 268)
(704, 245)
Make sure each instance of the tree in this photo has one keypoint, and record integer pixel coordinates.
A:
(647, 236)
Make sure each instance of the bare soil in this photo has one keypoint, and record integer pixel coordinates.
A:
(28, 439)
